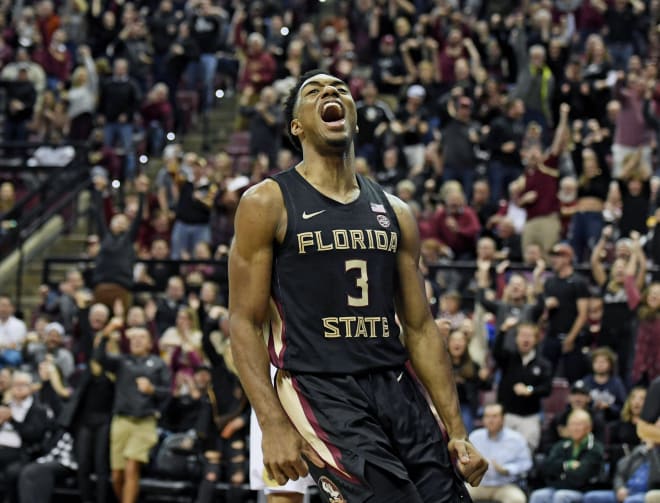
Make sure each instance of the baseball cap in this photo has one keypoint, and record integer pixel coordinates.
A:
(416, 91)
(580, 386)
(55, 326)
(563, 249)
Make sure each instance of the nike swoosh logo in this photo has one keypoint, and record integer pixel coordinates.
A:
(307, 216)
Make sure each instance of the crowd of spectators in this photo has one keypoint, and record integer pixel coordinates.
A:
(523, 135)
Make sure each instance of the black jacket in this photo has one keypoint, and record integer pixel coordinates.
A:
(537, 373)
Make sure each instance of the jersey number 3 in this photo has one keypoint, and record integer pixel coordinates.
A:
(362, 282)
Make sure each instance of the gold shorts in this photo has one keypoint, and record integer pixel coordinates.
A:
(131, 438)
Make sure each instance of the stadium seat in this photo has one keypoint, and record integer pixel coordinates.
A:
(556, 402)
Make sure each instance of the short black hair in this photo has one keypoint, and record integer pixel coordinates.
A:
(290, 104)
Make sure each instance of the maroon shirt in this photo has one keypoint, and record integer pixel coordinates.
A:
(465, 237)
(545, 181)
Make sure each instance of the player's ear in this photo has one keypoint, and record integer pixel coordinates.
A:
(295, 127)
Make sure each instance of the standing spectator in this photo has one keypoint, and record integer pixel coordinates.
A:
(413, 123)
(266, 122)
(631, 131)
(505, 141)
(183, 52)
(118, 103)
(113, 272)
(12, 334)
(567, 300)
(163, 29)
(539, 187)
(20, 102)
(456, 224)
(193, 211)
(535, 82)
(460, 137)
(646, 364)
(508, 457)
(526, 378)
(258, 70)
(56, 60)
(618, 323)
(516, 301)
(593, 184)
(83, 96)
(389, 71)
(158, 117)
(143, 383)
(635, 192)
(620, 22)
(373, 117)
(92, 320)
(469, 376)
(573, 465)
(205, 27)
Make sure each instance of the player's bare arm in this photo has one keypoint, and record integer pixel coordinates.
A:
(260, 219)
(426, 346)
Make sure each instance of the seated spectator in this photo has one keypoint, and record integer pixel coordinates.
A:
(578, 399)
(573, 465)
(623, 432)
(12, 334)
(36, 483)
(23, 424)
(634, 475)
(508, 457)
(608, 392)
(51, 349)
(154, 276)
(143, 383)
(648, 428)
(196, 274)
(469, 377)
(526, 378)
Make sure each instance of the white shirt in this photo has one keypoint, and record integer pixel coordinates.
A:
(12, 332)
(9, 437)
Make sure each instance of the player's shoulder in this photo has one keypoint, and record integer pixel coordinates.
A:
(400, 207)
(266, 193)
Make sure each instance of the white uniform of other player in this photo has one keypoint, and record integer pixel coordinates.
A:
(258, 477)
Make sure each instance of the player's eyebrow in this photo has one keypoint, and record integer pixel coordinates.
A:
(332, 82)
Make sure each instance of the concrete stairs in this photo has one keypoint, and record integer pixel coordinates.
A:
(207, 136)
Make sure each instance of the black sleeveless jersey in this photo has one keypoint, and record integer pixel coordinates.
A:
(333, 282)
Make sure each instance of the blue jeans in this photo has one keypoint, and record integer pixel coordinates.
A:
(10, 358)
(500, 175)
(123, 132)
(208, 66)
(610, 497)
(552, 495)
(468, 417)
(584, 233)
(620, 53)
(186, 236)
(465, 175)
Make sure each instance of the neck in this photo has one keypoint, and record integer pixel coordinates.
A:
(601, 378)
(565, 271)
(332, 175)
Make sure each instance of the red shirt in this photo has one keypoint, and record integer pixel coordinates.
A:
(544, 180)
(464, 238)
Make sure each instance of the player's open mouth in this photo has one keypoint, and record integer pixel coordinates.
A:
(332, 113)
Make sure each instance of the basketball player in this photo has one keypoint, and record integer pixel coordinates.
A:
(321, 262)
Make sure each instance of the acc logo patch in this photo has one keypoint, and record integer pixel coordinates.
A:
(330, 488)
(383, 221)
